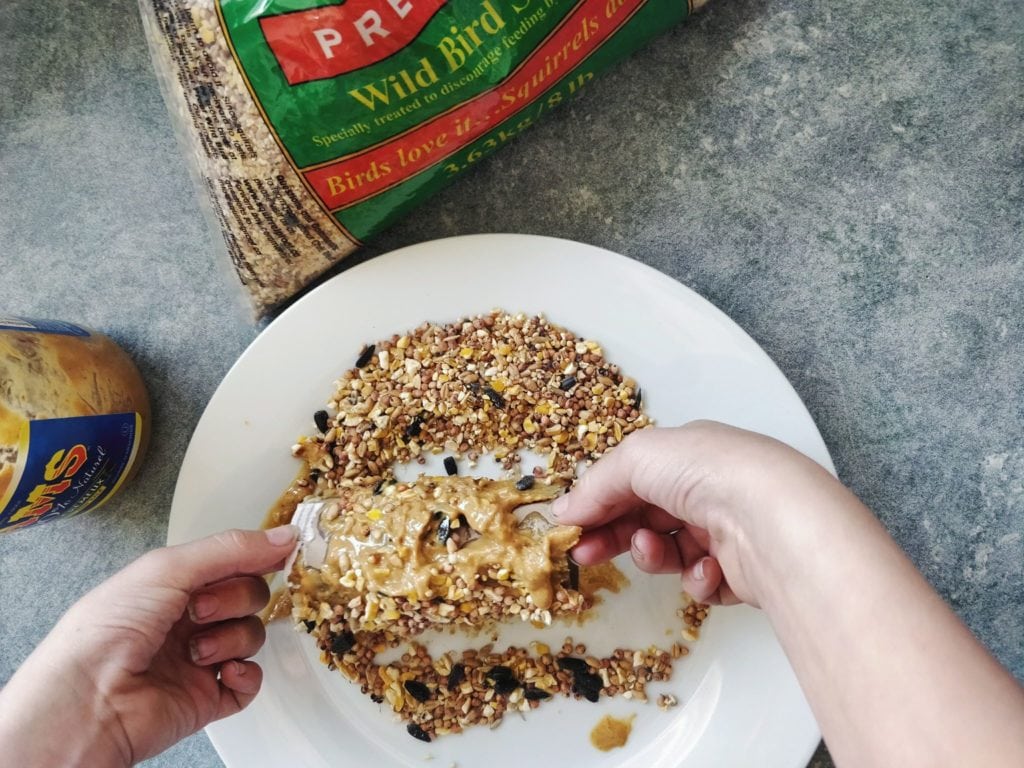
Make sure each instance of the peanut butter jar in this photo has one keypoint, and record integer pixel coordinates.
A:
(74, 420)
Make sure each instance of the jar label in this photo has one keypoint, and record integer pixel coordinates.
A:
(68, 466)
(41, 326)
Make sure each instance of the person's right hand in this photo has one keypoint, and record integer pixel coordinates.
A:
(689, 500)
(893, 677)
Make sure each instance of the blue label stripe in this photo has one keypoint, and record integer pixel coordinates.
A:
(72, 465)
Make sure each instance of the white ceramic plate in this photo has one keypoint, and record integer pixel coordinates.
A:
(739, 701)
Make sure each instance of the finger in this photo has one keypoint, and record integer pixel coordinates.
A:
(692, 544)
(605, 542)
(235, 639)
(655, 552)
(240, 681)
(231, 599)
(703, 579)
(649, 468)
(218, 557)
(598, 546)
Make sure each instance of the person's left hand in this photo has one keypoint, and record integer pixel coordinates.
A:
(151, 655)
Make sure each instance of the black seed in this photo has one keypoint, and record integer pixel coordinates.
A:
(414, 426)
(314, 475)
(417, 690)
(365, 355)
(320, 417)
(376, 698)
(499, 673)
(502, 680)
(536, 694)
(474, 387)
(417, 733)
(377, 487)
(494, 397)
(567, 383)
(587, 693)
(343, 643)
(525, 482)
(573, 664)
(638, 398)
(310, 625)
(450, 466)
(587, 685)
(574, 575)
(444, 529)
(505, 687)
(456, 676)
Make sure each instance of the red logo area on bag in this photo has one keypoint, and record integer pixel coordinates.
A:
(329, 41)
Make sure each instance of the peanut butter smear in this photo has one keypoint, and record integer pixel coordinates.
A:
(602, 576)
(278, 607)
(611, 732)
(415, 540)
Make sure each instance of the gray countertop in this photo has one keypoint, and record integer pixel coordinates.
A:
(845, 179)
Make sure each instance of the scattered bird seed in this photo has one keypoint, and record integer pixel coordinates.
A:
(518, 364)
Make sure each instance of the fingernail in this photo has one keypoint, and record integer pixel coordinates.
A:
(283, 534)
(239, 668)
(560, 506)
(202, 606)
(698, 570)
(201, 648)
(637, 553)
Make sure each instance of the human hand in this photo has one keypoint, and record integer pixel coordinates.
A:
(151, 655)
(689, 500)
(893, 677)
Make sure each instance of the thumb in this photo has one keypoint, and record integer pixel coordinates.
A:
(221, 556)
